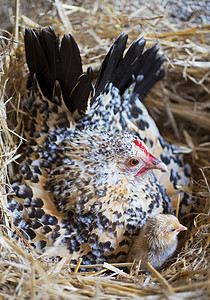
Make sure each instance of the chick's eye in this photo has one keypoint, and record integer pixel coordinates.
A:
(133, 162)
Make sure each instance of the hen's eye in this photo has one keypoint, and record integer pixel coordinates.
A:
(133, 162)
(173, 229)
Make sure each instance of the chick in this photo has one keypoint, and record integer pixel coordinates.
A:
(157, 241)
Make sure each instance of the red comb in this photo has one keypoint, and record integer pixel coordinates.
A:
(143, 148)
(140, 145)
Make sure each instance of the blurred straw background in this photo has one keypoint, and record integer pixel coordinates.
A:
(180, 105)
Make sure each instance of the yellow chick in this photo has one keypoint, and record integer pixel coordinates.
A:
(157, 241)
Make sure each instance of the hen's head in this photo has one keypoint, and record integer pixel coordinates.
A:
(116, 155)
(103, 167)
(140, 160)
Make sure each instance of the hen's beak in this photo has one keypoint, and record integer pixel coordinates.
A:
(150, 163)
(154, 163)
(181, 228)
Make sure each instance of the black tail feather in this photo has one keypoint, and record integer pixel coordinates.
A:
(51, 61)
(144, 68)
(80, 93)
(150, 78)
(69, 66)
(41, 52)
(128, 66)
(110, 64)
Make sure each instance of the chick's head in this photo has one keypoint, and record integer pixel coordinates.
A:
(162, 230)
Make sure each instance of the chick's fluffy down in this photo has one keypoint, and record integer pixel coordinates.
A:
(157, 241)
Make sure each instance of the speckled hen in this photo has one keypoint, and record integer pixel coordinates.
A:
(86, 183)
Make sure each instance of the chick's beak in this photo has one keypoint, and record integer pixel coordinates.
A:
(181, 228)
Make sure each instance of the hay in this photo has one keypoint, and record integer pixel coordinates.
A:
(180, 106)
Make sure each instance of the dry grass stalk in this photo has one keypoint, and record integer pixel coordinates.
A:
(161, 279)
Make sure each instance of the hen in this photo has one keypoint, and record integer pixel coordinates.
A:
(157, 241)
(85, 185)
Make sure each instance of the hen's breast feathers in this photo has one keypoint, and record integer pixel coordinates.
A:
(70, 189)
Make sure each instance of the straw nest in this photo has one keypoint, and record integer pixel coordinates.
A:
(180, 106)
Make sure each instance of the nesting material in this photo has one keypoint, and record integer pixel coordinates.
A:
(180, 106)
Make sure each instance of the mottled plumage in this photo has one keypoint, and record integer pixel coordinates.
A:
(157, 241)
(85, 185)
